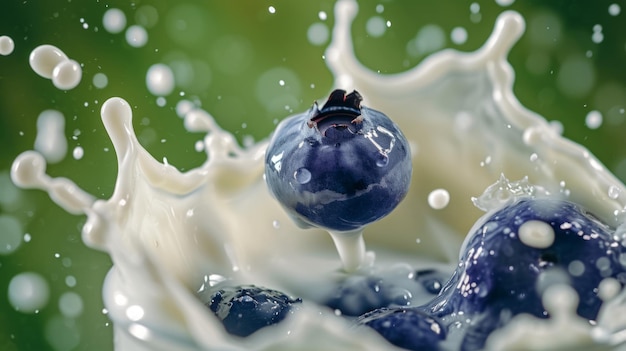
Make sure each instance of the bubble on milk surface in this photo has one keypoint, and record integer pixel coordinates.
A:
(115, 109)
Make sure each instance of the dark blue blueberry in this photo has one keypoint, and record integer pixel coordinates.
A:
(500, 275)
(357, 295)
(339, 167)
(409, 328)
(245, 309)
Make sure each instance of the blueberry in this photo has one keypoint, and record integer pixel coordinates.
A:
(357, 294)
(506, 260)
(409, 328)
(245, 309)
(339, 167)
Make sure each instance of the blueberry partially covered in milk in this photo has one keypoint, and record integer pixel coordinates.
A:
(339, 167)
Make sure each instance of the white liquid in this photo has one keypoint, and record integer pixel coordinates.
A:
(171, 234)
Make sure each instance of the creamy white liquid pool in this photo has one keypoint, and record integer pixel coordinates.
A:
(171, 234)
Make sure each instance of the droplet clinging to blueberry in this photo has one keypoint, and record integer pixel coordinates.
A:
(339, 167)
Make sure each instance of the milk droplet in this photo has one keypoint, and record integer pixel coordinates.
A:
(375, 26)
(536, 234)
(505, 3)
(160, 79)
(44, 58)
(100, 80)
(114, 21)
(318, 33)
(609, 288)
(70, 281)
(66, 75)
(10, 234)
(613, 192)
(50, 140)
(6, 45)
(438, 199)
(28, 292)
(458, 35)
(71, 304)
(136, 36)
(302, 175)
(593, 120)
(614, 9)
(78, 153)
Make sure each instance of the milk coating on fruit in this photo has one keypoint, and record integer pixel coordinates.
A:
(170, 234)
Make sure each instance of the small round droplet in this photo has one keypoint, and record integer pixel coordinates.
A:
(613, 192)
(6, 45)
(438, 199)
(160, 79)
(114, 21)
(66, 75)
(536, 234)
(136, 36)
(28, 292)
(302, 175)
(382, 160)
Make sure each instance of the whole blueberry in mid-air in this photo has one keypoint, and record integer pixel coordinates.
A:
(339, 167)
(409, 328)
(515, 253)
(245, 309)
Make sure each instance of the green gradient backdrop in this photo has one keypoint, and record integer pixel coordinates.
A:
(255, 42)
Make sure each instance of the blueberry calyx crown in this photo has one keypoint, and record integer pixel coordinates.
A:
(341, 113)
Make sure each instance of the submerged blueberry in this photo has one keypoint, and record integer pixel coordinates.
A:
(510, 259)
(245, 309)
(357, 295)
(409, 328)
(339, 167)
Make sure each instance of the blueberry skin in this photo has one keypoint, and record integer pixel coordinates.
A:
(497, 277)
(340, 167)
(357, 295)
(245, 309)
(409, 328)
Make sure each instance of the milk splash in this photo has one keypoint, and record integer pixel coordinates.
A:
(174, 236)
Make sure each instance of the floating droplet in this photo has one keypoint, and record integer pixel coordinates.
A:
(302, 175)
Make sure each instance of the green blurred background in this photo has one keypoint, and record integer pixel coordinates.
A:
(229, 57)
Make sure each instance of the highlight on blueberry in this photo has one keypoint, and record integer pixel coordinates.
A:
(339, 167)
(245, 309)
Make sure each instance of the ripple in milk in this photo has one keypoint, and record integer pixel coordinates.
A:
(171, 234)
